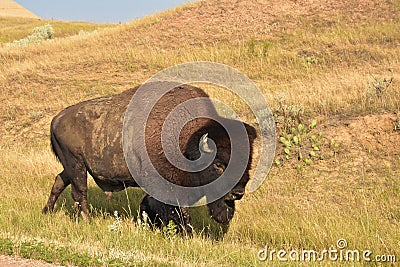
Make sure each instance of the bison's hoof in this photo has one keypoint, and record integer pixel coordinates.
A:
(46, 210)
(108, 195)
(188, 230)
(85, 216)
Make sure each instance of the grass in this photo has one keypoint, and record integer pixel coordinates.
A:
(307, 210)
(333, 65)
(18, 28)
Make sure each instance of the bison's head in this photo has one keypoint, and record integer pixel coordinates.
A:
(222, 210)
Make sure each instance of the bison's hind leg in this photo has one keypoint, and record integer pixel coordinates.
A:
(76, 176)
(79, 190)
(60, 183)
(160, 214)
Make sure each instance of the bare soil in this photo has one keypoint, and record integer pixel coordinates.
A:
(12, 261)
(371, 133)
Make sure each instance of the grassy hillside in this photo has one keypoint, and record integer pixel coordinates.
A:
(15, 28)
(9, 8)
(333, 62)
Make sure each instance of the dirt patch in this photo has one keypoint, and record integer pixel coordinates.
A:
(11, 261)
(374, 134)
(364, 143)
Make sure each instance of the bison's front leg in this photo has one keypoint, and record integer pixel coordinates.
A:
(160, 214)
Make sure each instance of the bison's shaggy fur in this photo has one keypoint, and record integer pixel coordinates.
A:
(87, 137)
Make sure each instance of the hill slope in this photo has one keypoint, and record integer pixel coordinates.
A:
(9, 8)
(324, 52)
(335, 62)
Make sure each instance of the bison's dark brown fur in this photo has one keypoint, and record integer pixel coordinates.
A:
(87, 137)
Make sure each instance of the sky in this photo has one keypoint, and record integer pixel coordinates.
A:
(100, 11)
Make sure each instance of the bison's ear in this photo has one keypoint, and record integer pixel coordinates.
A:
(203, 144)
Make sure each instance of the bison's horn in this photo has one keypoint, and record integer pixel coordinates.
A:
(204, 144)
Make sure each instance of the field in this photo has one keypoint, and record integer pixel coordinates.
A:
(331, 67)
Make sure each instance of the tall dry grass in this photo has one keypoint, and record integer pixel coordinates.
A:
(332, 69)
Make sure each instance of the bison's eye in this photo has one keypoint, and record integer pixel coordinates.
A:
(219, 168)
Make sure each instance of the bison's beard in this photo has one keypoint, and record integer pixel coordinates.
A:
(222, 210)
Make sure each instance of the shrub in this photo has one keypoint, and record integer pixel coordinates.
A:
(38, 35)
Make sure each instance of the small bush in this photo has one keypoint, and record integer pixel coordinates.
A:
(38, 35)
(287, 116)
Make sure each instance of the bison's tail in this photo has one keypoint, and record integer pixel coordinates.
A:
(53, 142)
(55, 146)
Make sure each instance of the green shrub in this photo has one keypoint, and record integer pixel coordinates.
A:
(38, 35)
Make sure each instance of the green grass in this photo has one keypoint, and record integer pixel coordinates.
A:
(333, 70)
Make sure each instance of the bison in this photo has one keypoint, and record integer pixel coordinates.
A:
(87, 138)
